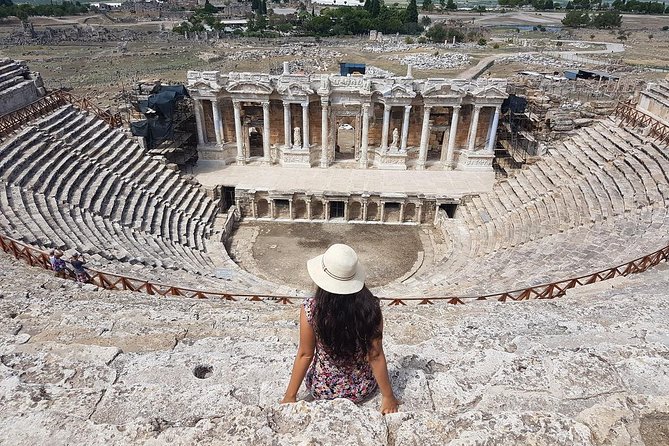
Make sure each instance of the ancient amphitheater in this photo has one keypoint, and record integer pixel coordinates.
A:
(83, 364)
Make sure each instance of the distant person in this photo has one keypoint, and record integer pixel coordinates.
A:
(341, 333)
(77, 263)
(58, 265)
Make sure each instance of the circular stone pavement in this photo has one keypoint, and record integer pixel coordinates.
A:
(281, 250)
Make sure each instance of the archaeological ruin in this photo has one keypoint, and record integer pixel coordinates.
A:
(295, 120)
(185, 331)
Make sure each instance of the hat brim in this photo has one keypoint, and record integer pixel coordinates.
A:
(332, 285)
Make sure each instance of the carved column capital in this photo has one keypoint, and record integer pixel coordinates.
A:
(265, 104)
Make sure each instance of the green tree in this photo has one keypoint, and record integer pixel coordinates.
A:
(451, 5)
(437, 33)
(427, 5)
(412, 12)
(607, 19)
(425, 21)
(576, 18)
(375, 7)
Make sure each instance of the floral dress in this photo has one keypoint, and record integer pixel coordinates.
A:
(328, 378)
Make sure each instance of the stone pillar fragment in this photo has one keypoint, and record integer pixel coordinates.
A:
(305, 126)
(405, 128)
(237, 107)
(473, 128)
(286, 124)
(384, 130)
(492, 131)
(218, 122)
(451, 136)
(265, 132)
(424, 138)
(324, 133)
(199, 122)
(364, 146)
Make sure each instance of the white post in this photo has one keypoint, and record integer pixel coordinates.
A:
(424, 138)
(384, 130)
(218, 123)
(365, 136)
(265, 131)
(324, 133)
(492, 131)
(305, 126)
(286, 124)
(237, 107)
(199, 121)
(405, 128)
(473, 127)
(453, 131)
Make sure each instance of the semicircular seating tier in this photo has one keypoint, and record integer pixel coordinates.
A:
(70, 181)
(597, 199)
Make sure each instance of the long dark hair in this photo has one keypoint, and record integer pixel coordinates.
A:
(346, 324)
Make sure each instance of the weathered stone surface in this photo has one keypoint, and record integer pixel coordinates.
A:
(99, 367)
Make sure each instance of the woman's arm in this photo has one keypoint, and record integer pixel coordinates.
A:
(377, 360)
(305, 353)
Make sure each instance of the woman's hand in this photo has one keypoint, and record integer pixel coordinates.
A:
(389, 404)
(288, 399)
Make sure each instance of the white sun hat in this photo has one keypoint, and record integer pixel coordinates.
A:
(338, 270)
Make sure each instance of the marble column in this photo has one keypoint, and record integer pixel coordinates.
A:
(326, 209)
(199, 121)
(290, 209)
(419, 213)
(308, 201)
(286, 124)
(364, 146)
(473, 128)
(451, 136)
(492, 131)
(405, 128)
(271, 209)
(384, 130)
(237, 107)
(218, 122)
(424, 138)
(364, 210)
(383, 211)
(401, 212)
(305, 126)
(346, 211)
(254, 208)
(265, 132)
(324, 133)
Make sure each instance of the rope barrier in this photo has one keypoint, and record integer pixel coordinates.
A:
(110, 281)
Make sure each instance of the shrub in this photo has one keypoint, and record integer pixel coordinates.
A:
(496, 46)
(408, 40)
(422, 39)
(482, 42)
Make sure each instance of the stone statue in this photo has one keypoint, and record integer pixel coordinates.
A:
(297, 137)
(396, 139)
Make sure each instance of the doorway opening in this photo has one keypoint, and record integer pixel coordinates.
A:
(336, 209)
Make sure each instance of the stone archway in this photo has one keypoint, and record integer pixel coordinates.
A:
(282, 209)
(300, 209)
(317, 211)
(372, 211)
(355, 211)
(262, 207)
(410, 212)
(391, 212)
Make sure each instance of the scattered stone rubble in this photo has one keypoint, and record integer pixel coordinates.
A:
(536, 59)
(378, 72)
(437, 61)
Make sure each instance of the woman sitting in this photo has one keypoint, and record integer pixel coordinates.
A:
(341, 332)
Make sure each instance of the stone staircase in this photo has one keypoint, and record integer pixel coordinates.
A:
(18, 86)
(97, 367)
(598, 199)
(70, 181)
